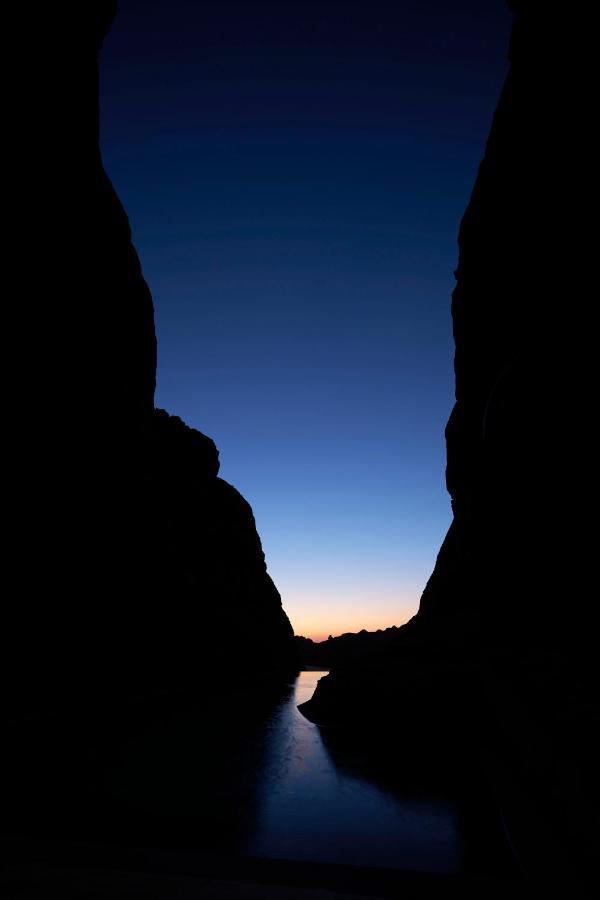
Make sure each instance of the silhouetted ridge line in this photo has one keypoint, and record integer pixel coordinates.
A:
(348, 648)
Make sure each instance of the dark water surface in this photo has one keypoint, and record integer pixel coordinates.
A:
(312, 810)
(236, 772)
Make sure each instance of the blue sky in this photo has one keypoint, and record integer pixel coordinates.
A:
(295, 176)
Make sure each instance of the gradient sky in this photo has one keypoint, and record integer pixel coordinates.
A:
(295, 174)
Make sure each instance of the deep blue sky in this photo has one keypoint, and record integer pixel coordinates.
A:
(295, 174)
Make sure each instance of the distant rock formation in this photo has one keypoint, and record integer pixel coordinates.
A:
(501, 653)
(131, 567)
(347, 649)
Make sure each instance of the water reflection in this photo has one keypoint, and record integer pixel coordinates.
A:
(313, 810)
(242, 772)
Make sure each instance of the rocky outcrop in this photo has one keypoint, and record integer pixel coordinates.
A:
(345, 649)
(502, 647)
(201, 598)
(132, 567)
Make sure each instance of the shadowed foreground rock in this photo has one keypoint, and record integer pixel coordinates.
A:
(500, 658)
(131, 567)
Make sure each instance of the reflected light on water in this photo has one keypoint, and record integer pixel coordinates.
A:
(312, 810)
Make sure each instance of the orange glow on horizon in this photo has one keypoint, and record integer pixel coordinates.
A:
(335, 626)
(317, 610)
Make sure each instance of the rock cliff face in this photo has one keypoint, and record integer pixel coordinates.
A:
(133, 567)
(501, 650)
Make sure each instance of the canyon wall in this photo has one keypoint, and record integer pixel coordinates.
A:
(133, 568)
(501, 652)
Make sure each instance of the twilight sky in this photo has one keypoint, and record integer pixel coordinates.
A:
(295, 174)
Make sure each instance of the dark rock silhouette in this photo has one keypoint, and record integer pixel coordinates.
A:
(501, 652)
(132, 566)
(347, 649)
